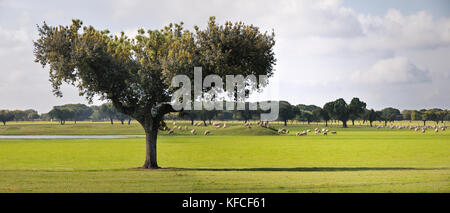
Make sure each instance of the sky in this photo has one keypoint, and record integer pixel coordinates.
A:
(387, 53)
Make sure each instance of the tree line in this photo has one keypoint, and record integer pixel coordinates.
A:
(340, 110)
(337, 110)
(68, 112)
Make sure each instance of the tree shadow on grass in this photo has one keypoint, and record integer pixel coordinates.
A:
(309, 169)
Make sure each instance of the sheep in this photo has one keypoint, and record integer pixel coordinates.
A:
(179, 127)
(287, 131)
(170, 132)
(193, 131)
(300, 133)
(174, 123)
(249, 126)
(316, 132)
(185, 127)
(224, 125)
(436, 130)
(207, 132)
(325, 133)
(333, 132)
(316, 129)
(308, 130)
(423, 130)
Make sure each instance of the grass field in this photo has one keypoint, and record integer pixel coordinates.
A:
(236, 159)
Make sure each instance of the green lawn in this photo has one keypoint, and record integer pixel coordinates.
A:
(232, 160)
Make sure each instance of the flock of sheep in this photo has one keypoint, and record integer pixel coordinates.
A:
(246, 125)
(317, 131)
(415, 128)
(193, 131)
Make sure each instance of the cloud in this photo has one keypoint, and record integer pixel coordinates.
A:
(395, 30)
(397, 70)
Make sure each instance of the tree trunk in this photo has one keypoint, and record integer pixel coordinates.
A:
(151, 133)
(192, 122)
(75, 121)
(112, 122)
(344, 124)
(326, 123)
(353, 122)
(385, 123)
(129, 121)
(204, 123)
(424, 123)
(285, 122)
(4, 123)
(122, 121)
(370, 123)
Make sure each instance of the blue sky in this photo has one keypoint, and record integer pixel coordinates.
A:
(388, 53)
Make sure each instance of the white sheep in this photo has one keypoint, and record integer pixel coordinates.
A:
(207, 132)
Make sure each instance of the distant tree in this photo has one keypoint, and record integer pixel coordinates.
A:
(338, 110)
(32, 114)
(286, 112)
(45, 117)
(5, 116)
(416, 115)
(309, 108)
(80, 111)
(441, 115)
(108, 111)
(19, 115)
(406, 114)
(122, 118)
(96, 114)
(317, 114)
(189, 114)
(425, 115)
(432, 115)
(371, 116)
(390, 114)
(61, 113)
(307, 116)
(356, 109)
(326, 112)
(245, 114)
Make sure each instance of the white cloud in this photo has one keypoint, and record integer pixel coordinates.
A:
(397, 70)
